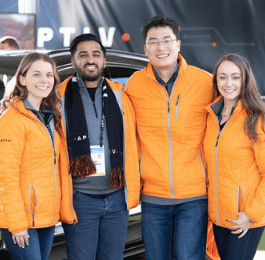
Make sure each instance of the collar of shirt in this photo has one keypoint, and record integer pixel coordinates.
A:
(45, 115)
(82, 84)
(172, 79)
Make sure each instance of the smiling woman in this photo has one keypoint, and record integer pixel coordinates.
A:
(234, 150)
(33, 161)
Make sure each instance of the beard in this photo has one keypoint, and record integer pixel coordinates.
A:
(89, 76)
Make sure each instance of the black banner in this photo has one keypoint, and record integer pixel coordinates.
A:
(209, 28)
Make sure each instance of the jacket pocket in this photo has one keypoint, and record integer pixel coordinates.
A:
(240, 200)
(33, 202)
(204, 167)
(141, 178)
(177, 107)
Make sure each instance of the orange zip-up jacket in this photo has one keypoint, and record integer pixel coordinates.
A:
(171, 131)
(35, 187)
(236, 169)
(131, 165)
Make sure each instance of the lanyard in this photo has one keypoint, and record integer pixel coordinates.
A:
(103, 120)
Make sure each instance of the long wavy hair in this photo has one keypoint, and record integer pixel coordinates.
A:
(250, 97)
(20, 92)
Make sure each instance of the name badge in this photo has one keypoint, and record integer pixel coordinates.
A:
(98, 157)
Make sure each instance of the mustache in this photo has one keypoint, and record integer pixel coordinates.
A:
(89, 64)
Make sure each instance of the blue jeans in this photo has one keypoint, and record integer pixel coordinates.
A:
(39, 248)
(101, 229)
(175, 232)
(231, 247)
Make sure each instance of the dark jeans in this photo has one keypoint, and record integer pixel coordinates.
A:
(175, 232)
(101, 229)
(39, 248)
(231, 247)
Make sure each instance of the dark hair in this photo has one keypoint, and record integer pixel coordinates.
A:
(20, 92)
(11, 41)
(160, 21)
(250, 97)
(82, 38)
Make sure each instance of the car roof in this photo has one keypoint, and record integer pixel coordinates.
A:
(9, 60)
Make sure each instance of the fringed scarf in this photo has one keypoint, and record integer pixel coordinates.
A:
(81, 164)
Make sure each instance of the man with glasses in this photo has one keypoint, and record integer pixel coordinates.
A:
(169, 98)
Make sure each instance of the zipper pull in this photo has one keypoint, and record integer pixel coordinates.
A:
(217, 139)
(168, 107)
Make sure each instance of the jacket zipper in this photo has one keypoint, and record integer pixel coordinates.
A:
(216, 166)
(31, 211)
(96, 113)
(54, 163)
(93, 102)
(170, 139)
(216, 177)
(124, 137)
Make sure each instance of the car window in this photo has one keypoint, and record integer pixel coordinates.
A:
(121, 74)
(122, 80)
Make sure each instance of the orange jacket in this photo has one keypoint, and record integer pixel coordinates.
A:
(34, 191)
(132, 177)
(171, 131)
(236, 170)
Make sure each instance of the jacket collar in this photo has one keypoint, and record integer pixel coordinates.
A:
(19, 105)
(216, 107)
(114, 85)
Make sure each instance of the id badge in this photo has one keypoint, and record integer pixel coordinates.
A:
(98, 157)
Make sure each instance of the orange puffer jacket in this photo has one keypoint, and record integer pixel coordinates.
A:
(171, 131)
(132, 177)
(34, 192)
(236, 169)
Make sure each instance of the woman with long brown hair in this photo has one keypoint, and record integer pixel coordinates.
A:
(35, 187)
(234, 148)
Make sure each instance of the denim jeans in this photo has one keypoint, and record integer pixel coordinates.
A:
(231, 247)
(101, 229)
(39, 248)
(175, 232)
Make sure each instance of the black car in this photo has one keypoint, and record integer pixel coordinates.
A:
(120, 66)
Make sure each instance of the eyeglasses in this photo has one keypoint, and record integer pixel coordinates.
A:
(154, 43)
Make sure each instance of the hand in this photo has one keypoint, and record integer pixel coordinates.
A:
(242, 226)
(21, 238)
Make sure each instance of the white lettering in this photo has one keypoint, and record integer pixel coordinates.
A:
(66, 31)
(84, 137)
(107, 41)
(45, 34)
(79, 138)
